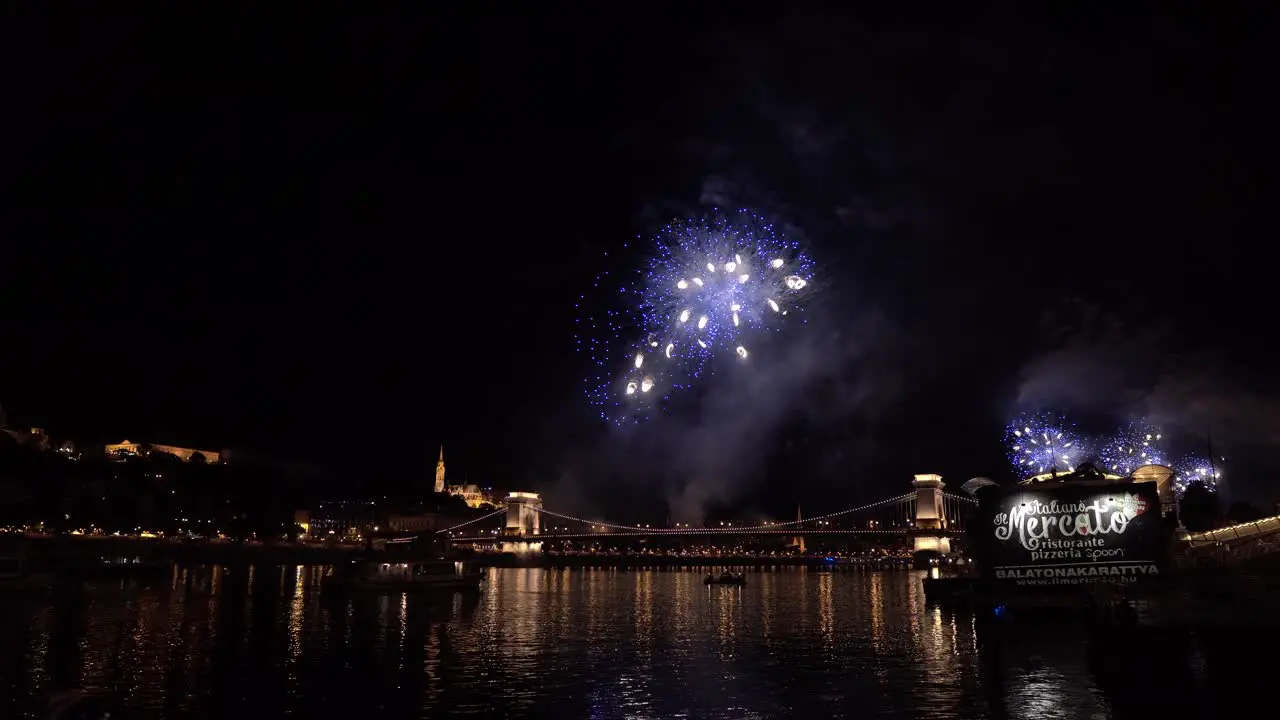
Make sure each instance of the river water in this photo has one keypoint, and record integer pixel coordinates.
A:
(261, 643)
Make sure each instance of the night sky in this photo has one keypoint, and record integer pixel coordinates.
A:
(349, 240)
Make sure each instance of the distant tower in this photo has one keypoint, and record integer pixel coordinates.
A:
(798, 542)
(440, 471)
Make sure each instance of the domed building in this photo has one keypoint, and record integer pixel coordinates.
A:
(1086, 472)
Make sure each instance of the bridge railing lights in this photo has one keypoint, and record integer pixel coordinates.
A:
(724, 527)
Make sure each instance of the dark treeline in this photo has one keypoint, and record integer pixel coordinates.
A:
(1200, 510)
(154, 491)
(64, 490)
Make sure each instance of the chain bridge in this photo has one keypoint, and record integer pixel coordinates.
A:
(927, 514)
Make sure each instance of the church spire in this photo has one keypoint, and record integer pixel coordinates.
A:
(440, 471)
(798, 541)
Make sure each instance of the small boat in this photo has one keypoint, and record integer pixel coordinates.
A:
(128, 567)
(726, 578)
(408, 576)
(957, 591)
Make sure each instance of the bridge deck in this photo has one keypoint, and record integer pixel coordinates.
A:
(701, 533)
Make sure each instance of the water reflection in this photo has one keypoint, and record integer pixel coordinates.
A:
(296, 606)
(219, 642)
(826, 612)
(877, 612)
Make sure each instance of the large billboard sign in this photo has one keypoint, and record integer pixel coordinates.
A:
(1072, 534)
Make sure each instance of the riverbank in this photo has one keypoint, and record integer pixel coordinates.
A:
(56, 553)
(71, 553)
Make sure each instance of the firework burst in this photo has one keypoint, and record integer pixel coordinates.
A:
(1192, 468)
(713, 285)
(1131, 447)
(1043, 442)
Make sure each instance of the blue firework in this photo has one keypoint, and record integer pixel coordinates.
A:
(1195, 468)
(1131, 447)
(711, 286)
(1043, 442)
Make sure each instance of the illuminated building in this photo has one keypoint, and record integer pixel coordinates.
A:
(34, 438)
(474, 495)
(339, 520)
(133, 449)
(302, 519)
(440, 471)
(420, 522)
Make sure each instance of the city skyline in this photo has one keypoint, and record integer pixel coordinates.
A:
(534, 360)
(357, 286)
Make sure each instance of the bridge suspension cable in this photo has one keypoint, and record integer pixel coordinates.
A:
(473, 520)
(889, 501)
(544, 511)
(634, 528)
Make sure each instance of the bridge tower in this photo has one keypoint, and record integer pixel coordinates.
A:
(930, 515)
(523, 517)
(524, 523)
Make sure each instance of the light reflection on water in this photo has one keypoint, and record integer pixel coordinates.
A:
(260, 642)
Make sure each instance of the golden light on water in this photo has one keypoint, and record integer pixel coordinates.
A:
(639, 643)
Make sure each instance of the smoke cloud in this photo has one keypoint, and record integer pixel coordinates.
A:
(1102, 367)
(716, 447)
(724, 451)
